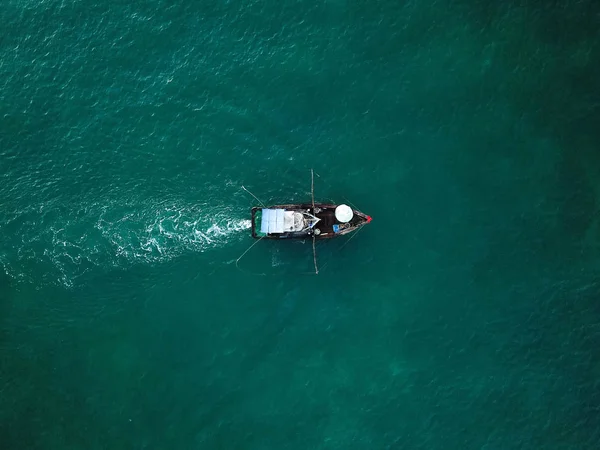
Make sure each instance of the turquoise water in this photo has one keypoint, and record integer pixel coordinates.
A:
(465, 316)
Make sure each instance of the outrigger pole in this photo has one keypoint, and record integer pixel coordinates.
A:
(312, 191)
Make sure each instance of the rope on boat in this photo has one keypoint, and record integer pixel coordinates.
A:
(247, 250)
(348, 201)
(257, 199)
(351, 237)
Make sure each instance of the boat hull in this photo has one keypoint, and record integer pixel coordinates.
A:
(328, 226)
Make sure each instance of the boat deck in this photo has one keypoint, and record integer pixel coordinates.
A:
(328, 220)
(325, 224)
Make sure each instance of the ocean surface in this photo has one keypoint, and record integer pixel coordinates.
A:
(465, 316)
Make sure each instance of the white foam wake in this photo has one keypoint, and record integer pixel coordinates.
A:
(116, 235)
(160, 234)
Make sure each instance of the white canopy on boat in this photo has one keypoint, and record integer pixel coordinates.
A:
(272, 221)
(344, 213)
(281, 221)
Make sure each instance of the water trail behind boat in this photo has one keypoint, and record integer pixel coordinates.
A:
(75, 241)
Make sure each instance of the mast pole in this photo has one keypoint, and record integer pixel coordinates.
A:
(312, 192)
(312, 189)
(315, 257)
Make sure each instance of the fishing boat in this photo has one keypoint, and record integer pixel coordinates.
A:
(305, 220)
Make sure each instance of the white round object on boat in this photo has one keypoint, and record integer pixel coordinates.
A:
(344, 213)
